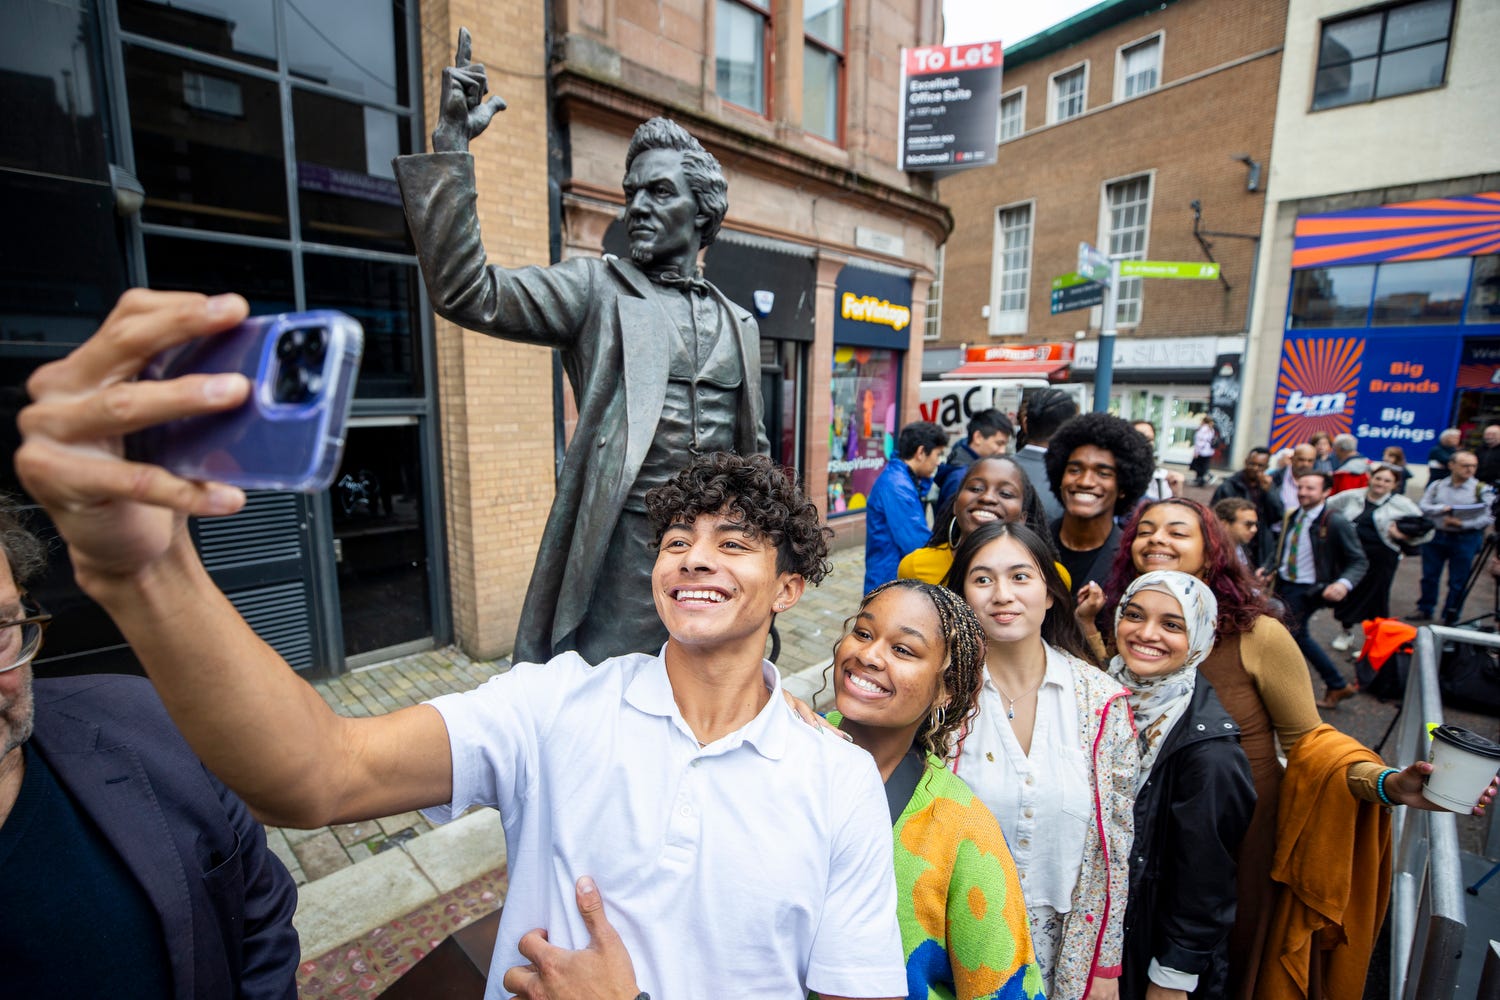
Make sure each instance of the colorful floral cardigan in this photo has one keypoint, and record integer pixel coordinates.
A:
(963, 921)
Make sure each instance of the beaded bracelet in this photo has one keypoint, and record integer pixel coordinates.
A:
(1380, 785)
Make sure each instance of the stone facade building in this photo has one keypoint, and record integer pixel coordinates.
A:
(245, 145)
(1378, 309)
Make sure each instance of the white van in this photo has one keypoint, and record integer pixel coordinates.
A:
(950, 403)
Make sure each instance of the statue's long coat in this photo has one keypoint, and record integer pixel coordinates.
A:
(606, 319)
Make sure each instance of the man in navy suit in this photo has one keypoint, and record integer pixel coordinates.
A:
(127, 869)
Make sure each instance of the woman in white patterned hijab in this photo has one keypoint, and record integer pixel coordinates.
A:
(1164, 628)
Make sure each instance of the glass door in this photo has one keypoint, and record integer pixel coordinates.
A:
(380, 540)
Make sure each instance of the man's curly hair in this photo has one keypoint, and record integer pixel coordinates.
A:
(1134, 460)
(757, 493)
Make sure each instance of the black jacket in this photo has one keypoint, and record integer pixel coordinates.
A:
(1268, 507)
(1489, 465)
(224, 900)
(1336, 550)
(1190, 817)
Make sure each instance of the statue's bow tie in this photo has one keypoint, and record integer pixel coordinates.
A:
(671, 279)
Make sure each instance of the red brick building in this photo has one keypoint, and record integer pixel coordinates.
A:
(1113, 125)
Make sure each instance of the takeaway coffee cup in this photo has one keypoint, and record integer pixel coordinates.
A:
(1463, 764)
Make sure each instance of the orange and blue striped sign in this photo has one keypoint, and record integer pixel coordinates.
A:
(1414, 230)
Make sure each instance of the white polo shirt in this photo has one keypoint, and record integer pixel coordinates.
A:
(759, 866)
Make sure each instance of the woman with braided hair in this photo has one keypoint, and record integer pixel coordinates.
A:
(1051, 751)
(906, 676)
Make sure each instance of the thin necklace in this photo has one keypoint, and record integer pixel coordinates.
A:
(1010, 711)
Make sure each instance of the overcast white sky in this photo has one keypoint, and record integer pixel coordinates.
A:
(1005, 21)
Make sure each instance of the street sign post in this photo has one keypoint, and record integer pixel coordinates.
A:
(1168, 269)
(1074, 291)
(1092, 264)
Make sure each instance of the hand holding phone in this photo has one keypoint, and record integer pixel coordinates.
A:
(289, 433)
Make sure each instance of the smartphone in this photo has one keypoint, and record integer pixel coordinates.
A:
(289, 434)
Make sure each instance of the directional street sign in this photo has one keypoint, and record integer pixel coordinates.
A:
(1167, 269)
(1074, 291)
(1093, 265)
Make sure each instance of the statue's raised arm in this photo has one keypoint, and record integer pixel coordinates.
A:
(463, 112)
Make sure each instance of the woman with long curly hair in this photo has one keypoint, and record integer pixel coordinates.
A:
(1262, 681)
(1051, 752)
(906, 676)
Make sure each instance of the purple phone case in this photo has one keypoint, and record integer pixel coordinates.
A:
(263, 444)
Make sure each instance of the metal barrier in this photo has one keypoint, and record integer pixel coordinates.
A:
(1427, 886)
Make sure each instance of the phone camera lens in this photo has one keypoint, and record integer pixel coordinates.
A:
(289, 345)
(316, 343)
(290, 385)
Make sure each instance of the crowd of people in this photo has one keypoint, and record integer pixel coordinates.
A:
(1052, 769)
(1049, 747)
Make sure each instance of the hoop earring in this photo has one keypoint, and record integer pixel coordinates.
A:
(952, 541)
(938, 717)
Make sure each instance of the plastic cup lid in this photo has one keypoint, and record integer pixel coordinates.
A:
(1465, 740)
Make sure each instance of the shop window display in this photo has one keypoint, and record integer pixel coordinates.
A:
(863, 428)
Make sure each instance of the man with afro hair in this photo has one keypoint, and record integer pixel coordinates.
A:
(1098, 466)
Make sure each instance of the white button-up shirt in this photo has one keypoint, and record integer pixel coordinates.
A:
(1042, 800)
(759, 866)
(1307, 568)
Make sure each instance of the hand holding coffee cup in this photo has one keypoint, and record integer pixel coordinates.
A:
(1407, 788)
(1461, 770)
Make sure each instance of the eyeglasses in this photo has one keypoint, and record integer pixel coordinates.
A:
(21, 638)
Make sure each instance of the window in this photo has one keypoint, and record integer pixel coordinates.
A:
(1415, 292)
(1396, 293)
(741, 30)
(1012, 115)
(1384, 53)
(865, 388)
(1138, 68)
(1484, 290)
(823, 67)
(1012, 270)
(1129, 206)
(1068, 93)
(1331, 296)
(932, 326)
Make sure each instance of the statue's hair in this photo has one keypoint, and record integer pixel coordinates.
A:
(963, 673)
(23, 550)
(757, 493)
(704, 175)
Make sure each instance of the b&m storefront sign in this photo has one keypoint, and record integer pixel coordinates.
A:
(1368, 385)
(871, 332)
(1393, 324)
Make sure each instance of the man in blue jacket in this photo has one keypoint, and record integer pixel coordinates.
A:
(895, 519)
(126, 868)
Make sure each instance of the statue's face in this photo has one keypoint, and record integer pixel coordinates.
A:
(662, 217)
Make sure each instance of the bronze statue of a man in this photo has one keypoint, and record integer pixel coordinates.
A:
(663, 366)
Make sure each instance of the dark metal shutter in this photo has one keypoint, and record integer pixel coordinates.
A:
(260, 559)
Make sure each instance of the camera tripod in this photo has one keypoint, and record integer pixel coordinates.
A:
(1481, 561)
